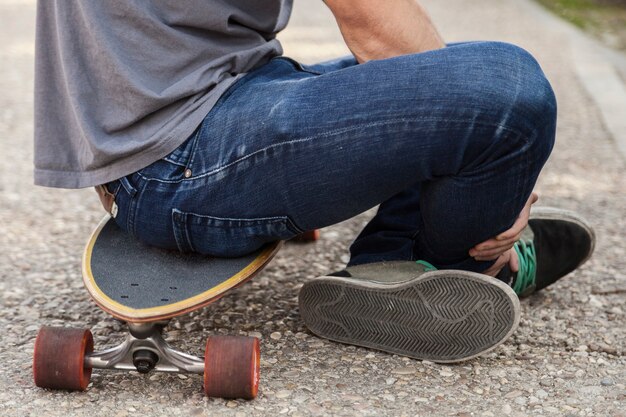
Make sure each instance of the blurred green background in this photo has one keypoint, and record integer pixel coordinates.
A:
(605, 19)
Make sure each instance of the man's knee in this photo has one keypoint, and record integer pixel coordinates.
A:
(536, 104)
(527, 100)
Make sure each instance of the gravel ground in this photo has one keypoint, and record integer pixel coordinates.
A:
(567, 358)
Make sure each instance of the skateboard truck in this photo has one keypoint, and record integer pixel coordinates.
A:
(64, 359)
(144, 350)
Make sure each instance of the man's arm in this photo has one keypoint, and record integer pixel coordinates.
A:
(378, 29)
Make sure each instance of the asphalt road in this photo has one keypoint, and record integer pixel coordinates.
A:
(567, 358)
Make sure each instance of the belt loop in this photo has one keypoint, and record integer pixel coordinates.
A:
(128, 186)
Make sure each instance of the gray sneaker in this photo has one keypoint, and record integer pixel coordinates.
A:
(411, 309)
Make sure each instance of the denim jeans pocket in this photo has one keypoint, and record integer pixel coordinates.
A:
(181, 155)
(227, 237)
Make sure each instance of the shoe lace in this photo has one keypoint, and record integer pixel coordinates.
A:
(428, 267)
(527, 266)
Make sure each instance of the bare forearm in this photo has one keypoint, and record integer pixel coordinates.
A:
(378, 29)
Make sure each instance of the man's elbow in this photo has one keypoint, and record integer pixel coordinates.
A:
(354, 12)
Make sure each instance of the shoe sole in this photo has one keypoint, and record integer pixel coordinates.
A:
(552, 213)
(441, 316)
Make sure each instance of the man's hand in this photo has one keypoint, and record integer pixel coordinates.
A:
(508, 257)
(379, 29)
(496, 247)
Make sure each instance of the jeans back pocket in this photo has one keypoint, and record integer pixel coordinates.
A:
(228, 237)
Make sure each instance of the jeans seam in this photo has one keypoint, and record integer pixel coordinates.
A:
(133, 207)
(167, 159)
(177, 230)
(328, 134)
(477, 169)
(187, 236)
(297, 65)
(287, 219)
(414, 244)
(193, 138)
(229, 219)
(128, 187)
(116, 189)
(294, 227)
(181, 231)
(194, 146)
(181, 225)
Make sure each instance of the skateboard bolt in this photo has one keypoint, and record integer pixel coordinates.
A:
(145, 361)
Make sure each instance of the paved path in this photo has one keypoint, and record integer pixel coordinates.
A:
(567, 358)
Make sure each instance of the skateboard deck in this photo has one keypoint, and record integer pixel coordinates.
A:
(138, 283)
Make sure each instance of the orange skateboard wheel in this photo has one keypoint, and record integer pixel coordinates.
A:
(309, 236)
(232, 367)
(59, 358)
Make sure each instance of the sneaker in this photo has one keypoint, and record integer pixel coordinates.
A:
(411, 309)
(555, 243)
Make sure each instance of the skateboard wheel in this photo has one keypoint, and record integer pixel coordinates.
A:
(309, 236)
(59, 358)
(231, 367)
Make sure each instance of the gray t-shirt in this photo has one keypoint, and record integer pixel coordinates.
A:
(120, 84)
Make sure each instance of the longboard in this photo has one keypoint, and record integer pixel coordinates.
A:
(138, 283)
(146, 287)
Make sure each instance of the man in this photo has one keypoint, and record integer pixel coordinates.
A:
(200, 137)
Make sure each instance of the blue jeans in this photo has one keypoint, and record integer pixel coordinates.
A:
(451, 142)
